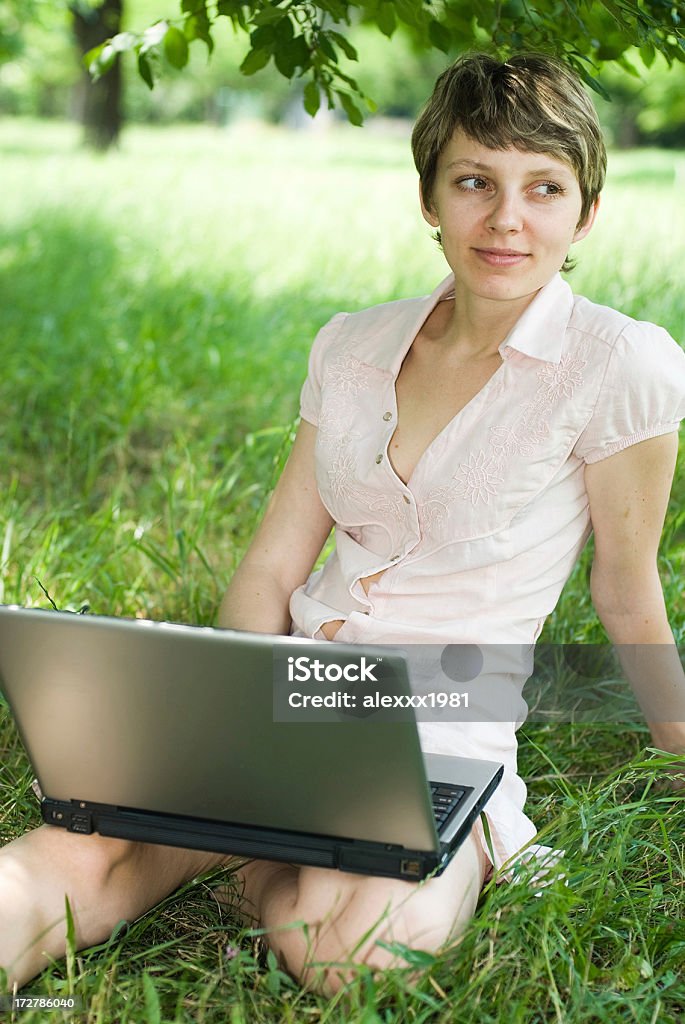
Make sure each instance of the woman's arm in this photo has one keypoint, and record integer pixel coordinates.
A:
(628, 495)
(284, 548)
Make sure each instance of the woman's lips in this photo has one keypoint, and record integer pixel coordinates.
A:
(501, 257)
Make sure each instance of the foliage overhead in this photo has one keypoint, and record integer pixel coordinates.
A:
(309, 41)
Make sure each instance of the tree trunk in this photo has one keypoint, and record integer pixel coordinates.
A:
(99, 102)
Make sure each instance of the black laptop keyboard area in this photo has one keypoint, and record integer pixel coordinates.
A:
(446, 799)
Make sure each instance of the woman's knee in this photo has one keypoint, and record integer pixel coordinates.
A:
(87, 858)
(350, 920)
(102, 855)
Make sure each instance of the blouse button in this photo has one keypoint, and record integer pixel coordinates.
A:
(407, 499)
(379, 458)
(387, 415)
(395, 558)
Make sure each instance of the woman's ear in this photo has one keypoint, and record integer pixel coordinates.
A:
(428, 213)
(583, 229)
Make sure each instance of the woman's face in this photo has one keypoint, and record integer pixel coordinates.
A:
(506, 216)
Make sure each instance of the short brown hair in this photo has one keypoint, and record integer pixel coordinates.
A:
(531, 101)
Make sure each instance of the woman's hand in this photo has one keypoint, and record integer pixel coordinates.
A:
(329, 629)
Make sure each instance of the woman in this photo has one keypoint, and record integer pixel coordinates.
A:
(462, 445)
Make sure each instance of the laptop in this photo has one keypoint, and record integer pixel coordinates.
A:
(175, 734)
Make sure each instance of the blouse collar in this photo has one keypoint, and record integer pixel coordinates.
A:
(539, 332)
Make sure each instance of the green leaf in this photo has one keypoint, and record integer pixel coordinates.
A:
(440, 36)
(488, 838)
(145, 70)
(176, 47)
(100, 59)
(326, 46)
(285, 61)
(153, 1011)
(293, 53)
(415, 957)
(312, 98)
(71, 943)
(90, 58)
(263, 38)
(386, 19)
(198, 26)
(606, 51)
(593, 83)
(627, 66)
(267, 15)
(233, 9)
(341, 76)
(484, 12)
(337, 8)
(647, 55)
(284, 29)
(354, 114)
(344, 44)
(409, 11)
(255, 61)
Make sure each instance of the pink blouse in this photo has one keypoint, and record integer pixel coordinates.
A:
(480, 541)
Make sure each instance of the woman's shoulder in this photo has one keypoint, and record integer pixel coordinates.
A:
(610, 329)
(638, 371)
(371, 335)
(370, 319)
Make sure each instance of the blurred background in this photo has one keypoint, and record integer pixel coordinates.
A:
(160, 288)
(42, 76)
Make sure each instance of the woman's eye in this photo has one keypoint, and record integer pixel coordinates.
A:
(473, 184)
(548, 188)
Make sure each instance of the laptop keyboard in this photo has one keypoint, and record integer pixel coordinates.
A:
(446, 798)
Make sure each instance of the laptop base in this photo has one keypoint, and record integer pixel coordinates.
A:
(364, 857)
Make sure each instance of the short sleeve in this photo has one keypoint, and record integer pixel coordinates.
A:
(310, 395)
(642, 394)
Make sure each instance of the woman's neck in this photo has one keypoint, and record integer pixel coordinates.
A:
(477, 326)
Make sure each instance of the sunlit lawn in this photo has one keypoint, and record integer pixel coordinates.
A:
(157, 307)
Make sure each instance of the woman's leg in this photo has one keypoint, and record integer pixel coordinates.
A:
(106, 881)
(341, 915)
(338, 916)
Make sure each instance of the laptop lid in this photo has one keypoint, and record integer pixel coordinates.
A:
(179, 720)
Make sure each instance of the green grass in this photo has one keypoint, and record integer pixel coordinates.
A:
(157, 310)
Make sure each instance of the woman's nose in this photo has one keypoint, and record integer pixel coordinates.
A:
(505, 214)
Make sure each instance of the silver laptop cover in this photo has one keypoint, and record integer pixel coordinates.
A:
(179, 719)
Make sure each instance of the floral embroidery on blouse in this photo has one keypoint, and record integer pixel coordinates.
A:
(336, 422)
(387, 504)
(532, 425)
(476, 479)
(434, 510)
(341, 474)
(563, 378)
(508, 439)
(347, 375)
